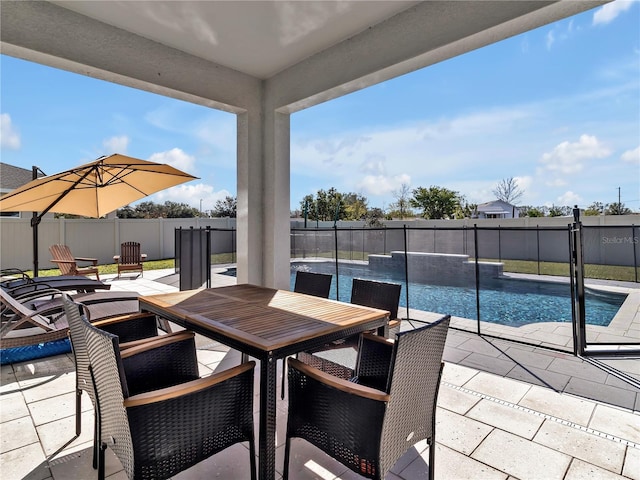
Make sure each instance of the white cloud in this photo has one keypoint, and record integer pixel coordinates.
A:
(631, 156)
(176, 158)
(568, 157)
(569, 198)
(610, 11)
(9, 137)
(550, 39)
(555, 182)
(430, 149)
(524, 182)
(116, 144)
(191, 195)
(381, 184)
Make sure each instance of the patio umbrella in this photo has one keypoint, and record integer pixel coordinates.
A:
(91, 190)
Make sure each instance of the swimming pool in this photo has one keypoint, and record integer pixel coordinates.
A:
(510, 302)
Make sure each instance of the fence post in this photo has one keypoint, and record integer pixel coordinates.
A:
(406, 268)
(335, 236)
(538, 246)
(208, 253)
(578, 261)
(475, 236)
(634, 241)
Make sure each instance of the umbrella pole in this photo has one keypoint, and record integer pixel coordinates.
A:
(34, 226)
(35, 220)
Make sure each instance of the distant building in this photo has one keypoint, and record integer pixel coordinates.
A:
(497, 209)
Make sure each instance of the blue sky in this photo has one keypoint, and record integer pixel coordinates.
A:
(557, 108)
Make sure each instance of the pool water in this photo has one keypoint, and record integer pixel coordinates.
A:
(510, 302)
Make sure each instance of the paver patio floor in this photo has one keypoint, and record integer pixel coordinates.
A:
(505, 411)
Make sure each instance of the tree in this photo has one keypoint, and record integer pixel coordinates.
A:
(126, 212)
(225, 208)
(325, 205)
(148, 210)
(178, 210)
(307, 207)
(555, 211)
(596, 208)
(508, 190)
(617, 208)
(465, 209)
(155, 210)
(435, 202)
(529, 211)
(355, 206)
(373, 217)
(403, 202)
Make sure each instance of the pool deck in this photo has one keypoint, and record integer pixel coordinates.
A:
(505, 411)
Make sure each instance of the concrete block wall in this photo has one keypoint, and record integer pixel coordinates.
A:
(437, 268)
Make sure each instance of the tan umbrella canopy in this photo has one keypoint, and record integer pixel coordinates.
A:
(92, 190)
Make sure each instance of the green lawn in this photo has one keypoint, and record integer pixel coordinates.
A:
(112, 268)
(602, 272)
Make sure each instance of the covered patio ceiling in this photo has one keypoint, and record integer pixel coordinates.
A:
(262, 60)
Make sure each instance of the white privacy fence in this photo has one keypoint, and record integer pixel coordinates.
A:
(101, 238)
(97, 238)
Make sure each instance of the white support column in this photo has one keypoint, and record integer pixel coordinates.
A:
(277, 250)
(250, 234)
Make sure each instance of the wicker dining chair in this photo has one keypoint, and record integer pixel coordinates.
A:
(367, 423)
(132, 330)
(338, 357)
(311, 283)
(162, 432)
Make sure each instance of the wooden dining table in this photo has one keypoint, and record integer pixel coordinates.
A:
(266, 324)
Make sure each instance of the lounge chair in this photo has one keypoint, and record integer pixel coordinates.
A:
(130, 258)
(34, 325)
(21, 326)
(16, 282)
(68, 264)
(369, 421)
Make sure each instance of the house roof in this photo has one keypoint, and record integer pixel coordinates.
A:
(495, 206)
(12, 177)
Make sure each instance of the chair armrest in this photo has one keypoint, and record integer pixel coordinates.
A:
(122, 318)
(338, 383)
(367, 337)
(116, 258)
(8, 275)
(86, 259)
(156, 342)
(20, 289)
(143, 257)
(188, 388)
(62, 261)
(142, 341)
(394, 323)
